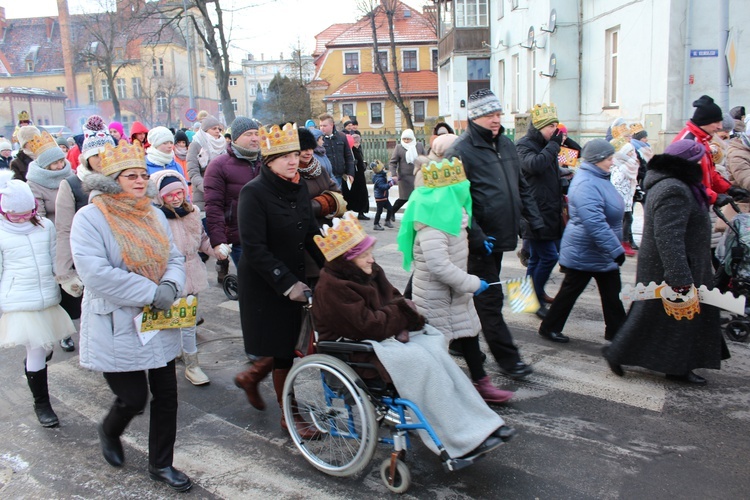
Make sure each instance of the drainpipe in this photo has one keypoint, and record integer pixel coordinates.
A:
(687, 105)
(580, 67)
(723, 99)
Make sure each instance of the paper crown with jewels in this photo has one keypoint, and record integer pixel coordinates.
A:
(543, 114)
(275, 140)
(620, 131)
(41, 143)
(685, 307)
(618, 143)
(23, 116)
(122, 157)
(635, 128)
(345, 234)
(444, 173)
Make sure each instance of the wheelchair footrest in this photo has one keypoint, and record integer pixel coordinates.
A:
(454, 464)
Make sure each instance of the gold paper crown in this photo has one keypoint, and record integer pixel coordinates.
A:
(23, 116)
(618, 143)
(635, 128)
(122, 157)
(620, 131)
(279, 140)
(347, 234)
(41, 143)
(544, 114)
(445, 173)
(688, 308)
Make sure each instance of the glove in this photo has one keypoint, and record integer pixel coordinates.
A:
(489, 244)
(327, 204)
(297, 293)
(620, 259)
(483, 285)
(738, 192)
(723, 199)
(166, 294)
(224, 250)
(219, 253)
(557, 137)
(639, 195)
(73, 286)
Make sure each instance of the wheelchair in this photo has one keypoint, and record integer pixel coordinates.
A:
(325, 395)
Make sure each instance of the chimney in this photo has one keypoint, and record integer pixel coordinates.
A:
(67, 49)
(3, 22)
(261, 57)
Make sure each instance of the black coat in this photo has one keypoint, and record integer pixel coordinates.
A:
(276, 226)
(20, 165)
(357, 198)
(542, 173)
(499, 192)
(340, 154)
(676, 248)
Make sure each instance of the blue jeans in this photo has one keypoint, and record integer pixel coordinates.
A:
(544, 256)
(236, 254)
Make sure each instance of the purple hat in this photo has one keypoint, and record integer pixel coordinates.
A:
(686, 149)
(361, 247)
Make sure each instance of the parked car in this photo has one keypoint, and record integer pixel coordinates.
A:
(57, 130)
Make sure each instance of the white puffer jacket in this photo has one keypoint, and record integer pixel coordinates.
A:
(27, 279)
(442, 289)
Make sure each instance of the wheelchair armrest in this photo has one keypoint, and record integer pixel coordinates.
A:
(343, 346)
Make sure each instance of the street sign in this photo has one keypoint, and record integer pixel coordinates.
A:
(705, 53)
(191, 114)
(731, 53)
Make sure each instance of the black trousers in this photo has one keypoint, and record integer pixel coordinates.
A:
(383, 205)
(572, 287)
(131, 391)
(489, 305)
(473, 356)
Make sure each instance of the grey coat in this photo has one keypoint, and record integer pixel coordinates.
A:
(676, 248)
(404, 171)
(113, 297)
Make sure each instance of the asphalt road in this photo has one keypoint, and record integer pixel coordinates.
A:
(583, 432)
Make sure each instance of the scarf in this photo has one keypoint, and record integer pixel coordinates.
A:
(157, 157)
(142, 238)
(295, 180)
(410, 147)
(180, 152)
(245, 154)
(50, 179)
(700, 195)
(213, 146)
(440, 208)
(312, 170)
(628, 166)
(320, 150)
(174, 213)
(17, 227)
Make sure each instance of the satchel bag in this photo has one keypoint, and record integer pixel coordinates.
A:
(306, 340)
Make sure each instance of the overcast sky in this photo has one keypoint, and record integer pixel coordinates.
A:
(259, 26)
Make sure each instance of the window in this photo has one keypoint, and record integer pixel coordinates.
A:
(232, 81)
(251, 70)
(92, 96)
(434, 53)
(122, 88)
(376, 113)
(500, 9)
(162, 102)
(612, 43)
(516, 84)
(471, 13)
(531, 84)
(251, 90)
(501, 80)
(347, 110)
(118, 54)
(351, 63)
(446, 17)
(158, 66)
(409, 58)
(234, 104)
(264, 70)
(29, 66)
(105, 89)
(264, 87)
(61, 89)
(137, 91)
(383, 58)
(419, 111)
(478, 74)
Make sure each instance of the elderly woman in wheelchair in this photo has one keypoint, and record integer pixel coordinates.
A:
(367, 330)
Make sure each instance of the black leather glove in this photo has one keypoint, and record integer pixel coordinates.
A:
(557, 137)
(723, 199)
(639, 195)
(620, 259)
(738, 193)
(166, 294)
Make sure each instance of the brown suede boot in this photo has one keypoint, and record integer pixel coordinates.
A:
(250, 378)
(306, 430)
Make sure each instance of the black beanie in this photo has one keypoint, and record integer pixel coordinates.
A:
(706, 111)
(180, 135)
(306, 139)
(737, 112)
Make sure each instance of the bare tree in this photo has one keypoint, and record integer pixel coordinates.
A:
(378, 12)
(301, 65)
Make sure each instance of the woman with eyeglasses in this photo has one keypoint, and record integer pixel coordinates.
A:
(124, 254)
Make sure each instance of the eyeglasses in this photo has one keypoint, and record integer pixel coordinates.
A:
(174, 194)
(22, 217)
(133, 177)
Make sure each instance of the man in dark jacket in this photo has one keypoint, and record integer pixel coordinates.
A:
(500, 198)
(224, 178)
(337, 150)
(538, 151)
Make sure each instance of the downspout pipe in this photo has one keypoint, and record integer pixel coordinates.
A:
(687, 102)
(723, 99)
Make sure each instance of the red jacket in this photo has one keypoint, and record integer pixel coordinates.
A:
(139, 128)
(713, 181)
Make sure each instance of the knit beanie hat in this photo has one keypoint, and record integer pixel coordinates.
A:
(306, 139)
(727, 124)
(117, 126)
(597, 150)
(62, 141)
(361, 248)
(737, 112)
(242, 124)
(26, 133)
(45, 149)
(209, 122)
(95, 136)
(317, 133)
(706, 111)
(4, 144)
(181, 136)
(159, 135)
(170, 183)
(309, 124)
(543, 115)
(686, 149)
(15, 195)
(483, 102)
(377, 166)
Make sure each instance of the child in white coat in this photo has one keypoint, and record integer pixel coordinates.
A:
(29, 295)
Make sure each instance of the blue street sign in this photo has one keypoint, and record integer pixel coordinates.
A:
(191, 114)
(704, 53)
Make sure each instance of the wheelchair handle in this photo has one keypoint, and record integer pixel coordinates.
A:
(308, 294)
(720, 215)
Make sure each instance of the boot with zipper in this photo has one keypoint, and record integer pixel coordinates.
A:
(250, 378)
(38, 385)
(306, 430)
(193, 371)
(489, 392)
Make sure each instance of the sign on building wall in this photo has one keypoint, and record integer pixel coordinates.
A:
(704, 53)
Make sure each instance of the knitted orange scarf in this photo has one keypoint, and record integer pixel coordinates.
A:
(138, 231)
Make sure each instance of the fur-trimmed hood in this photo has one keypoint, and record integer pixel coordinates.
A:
(667, 166)
(97, 184)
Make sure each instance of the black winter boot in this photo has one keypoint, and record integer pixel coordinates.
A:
(222, 269)
(42, 407)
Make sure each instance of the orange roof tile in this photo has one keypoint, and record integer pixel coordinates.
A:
(328, 34)
(369, 85)
(416, 28)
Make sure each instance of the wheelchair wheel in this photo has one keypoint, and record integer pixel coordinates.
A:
(230, 287)
(326, 395)
(737, 330)
(401, 477)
